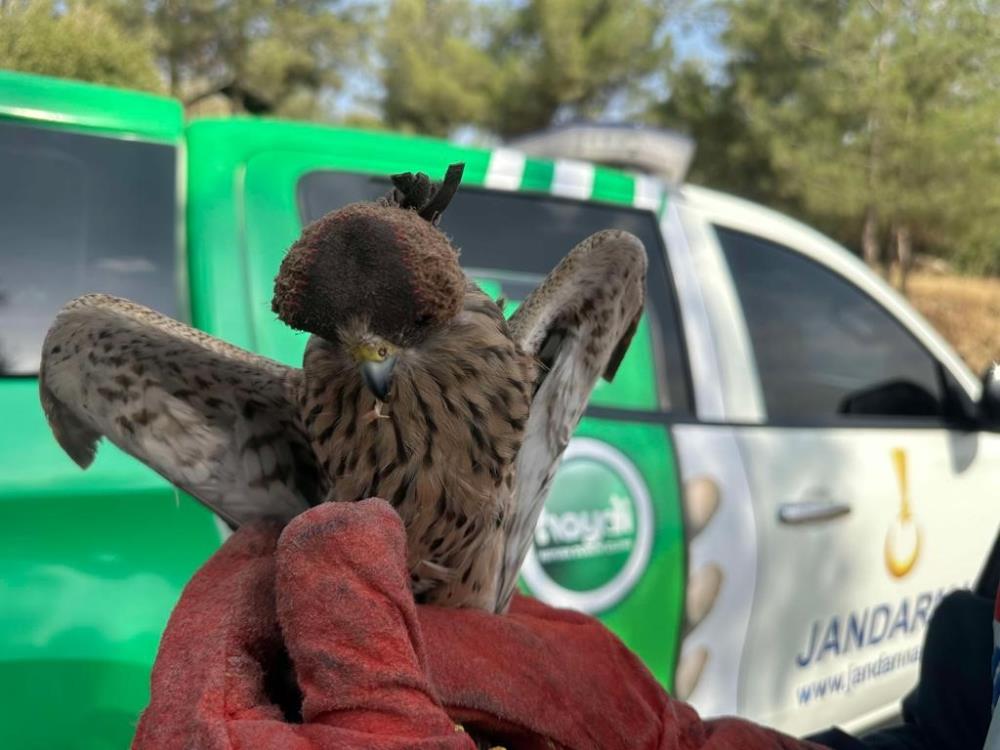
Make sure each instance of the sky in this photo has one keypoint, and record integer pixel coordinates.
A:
(696, 35)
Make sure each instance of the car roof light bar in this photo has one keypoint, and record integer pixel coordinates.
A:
(663, 153)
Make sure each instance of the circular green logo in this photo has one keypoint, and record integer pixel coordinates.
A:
(593, 537)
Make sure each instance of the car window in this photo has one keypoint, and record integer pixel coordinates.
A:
(825, 350)
(80, 213)
(509, 241)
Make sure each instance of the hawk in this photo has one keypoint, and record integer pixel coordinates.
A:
(413, 388)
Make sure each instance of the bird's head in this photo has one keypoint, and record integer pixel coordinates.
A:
(375, 278)
(375, 357)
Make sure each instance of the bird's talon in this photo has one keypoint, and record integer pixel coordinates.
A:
(374, 414)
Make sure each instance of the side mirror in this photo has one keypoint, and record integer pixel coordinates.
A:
(989, 401)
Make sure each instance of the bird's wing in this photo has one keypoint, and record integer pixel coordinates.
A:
(578, 324)
(217, 421)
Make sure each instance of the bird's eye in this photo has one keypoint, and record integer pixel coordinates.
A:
(382, 352)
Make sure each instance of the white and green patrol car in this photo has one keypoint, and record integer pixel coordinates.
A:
(788, 472)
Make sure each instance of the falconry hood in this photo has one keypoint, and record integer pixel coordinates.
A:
(386, 260)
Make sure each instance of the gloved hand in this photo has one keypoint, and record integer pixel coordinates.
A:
(330, 595)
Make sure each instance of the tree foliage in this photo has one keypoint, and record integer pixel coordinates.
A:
(260, 56)
(434, 74)
(876, 119)
(564, 59)
(74, 40)
(515, 67)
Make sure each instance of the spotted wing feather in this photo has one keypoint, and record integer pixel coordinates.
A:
(217, 421)
(578, 323)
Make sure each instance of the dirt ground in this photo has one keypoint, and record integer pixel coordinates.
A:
(965, 310)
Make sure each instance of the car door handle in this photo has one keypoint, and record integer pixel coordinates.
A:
(811, 511)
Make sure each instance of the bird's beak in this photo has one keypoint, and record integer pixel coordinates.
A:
(378, 376)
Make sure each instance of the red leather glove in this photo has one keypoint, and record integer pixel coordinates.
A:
(373, 670)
